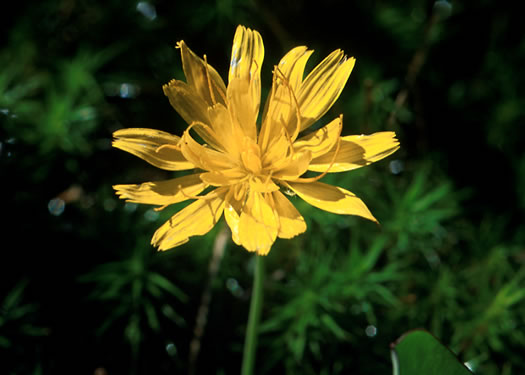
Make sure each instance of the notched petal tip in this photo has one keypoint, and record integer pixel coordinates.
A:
(167, 86)
(162, 246)
(247, 53)
(322, 86)
(345, 58)
(120, 192)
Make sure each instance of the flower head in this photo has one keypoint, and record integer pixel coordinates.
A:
(240, 169)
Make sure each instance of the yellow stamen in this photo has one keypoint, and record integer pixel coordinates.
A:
(212, 84)
(198, 123)
(294, 99)
(167, 145)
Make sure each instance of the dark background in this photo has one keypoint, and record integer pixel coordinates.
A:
(83, 292)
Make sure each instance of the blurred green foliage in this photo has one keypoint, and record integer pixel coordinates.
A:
(136, 291)
(82, 289)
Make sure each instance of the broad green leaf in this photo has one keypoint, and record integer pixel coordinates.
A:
(418, 352)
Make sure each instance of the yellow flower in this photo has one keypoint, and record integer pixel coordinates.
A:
(241, 169)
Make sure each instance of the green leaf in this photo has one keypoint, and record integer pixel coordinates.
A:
(418, 352)
(168, 286)
(153, 321)
(332, 325)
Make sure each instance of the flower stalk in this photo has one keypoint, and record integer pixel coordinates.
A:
(254, 317)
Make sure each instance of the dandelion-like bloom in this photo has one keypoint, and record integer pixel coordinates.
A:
(241, 169)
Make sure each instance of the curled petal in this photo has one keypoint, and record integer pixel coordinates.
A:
(357, 151)
(154, 146)
(196, 219)
(331, 198)
(162, 193)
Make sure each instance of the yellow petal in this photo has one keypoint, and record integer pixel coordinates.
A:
(186, 102)
(196, 219)
(331, 198)
(192, 108)
(322, 140)
(247, 55)
(223, 177)
(205, 80)
(277, 152)
(232, 210)
(281, 110)
(162, 192)
(243, 105)
(357, 151)
(146, 144)
(244, 82)
(281, 117)
(292, 66)
(295, 166)
(204, 157)
(263, 185)
(258, 224)
(322, 87)
(227, 132)
(291, 223)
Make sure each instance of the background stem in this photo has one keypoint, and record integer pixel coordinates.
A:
(221, 240)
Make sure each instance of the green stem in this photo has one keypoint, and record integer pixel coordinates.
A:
(250, 341)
